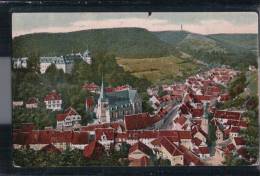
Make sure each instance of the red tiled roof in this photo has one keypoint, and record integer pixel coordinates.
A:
(90, 86)
(199, 98)
(204, 150)
(189, 157)
(224, 97)
(229, 148)
(140, 146)
(80, 138)
(196, 112)
(114, 125)
(243, 152)
(32, 100)
(196, 141)
(94, 149)
(50, 148)
(227, 115)
(234, 129)
(61, 117)
(180, 120)
(170, 147)
(140, 121)
(108, 132)
(27, 127)
(52, 96)
(239, 141)
(68, 112)
(185, 134)
(196, 128)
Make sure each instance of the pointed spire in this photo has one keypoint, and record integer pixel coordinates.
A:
(102, 89)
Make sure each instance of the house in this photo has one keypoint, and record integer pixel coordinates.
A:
(141, 162)
(80, 139)
(68, 120)
(53, 101)
(60, 62)
(138, 151)
(170, 151)
(190, 159)
(91, 87)
(202, 152)
(19, 63)
(199, 133)
(17, 104)
(180, 122)
(32, 103)
(105, 136)
(94, 150)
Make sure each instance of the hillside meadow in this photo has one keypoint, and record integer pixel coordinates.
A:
(161, 69)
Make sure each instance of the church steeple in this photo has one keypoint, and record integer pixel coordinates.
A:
(102, 89)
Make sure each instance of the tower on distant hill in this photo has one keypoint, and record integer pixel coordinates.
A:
(181, 27)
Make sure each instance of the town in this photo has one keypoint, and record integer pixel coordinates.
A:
(186, 127)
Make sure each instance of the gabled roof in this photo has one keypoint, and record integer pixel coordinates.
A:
(32, 100)
(181, 120)
(189, 157)
(239, 141)
(140, 146)
(108, 132)
(68, 112)
(204, 150)
(94, 149)
(52, 96)
(196, 128)
(196, 141)
(170, 147)
(50, 148)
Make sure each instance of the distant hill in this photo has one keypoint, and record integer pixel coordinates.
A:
(125, 42)
(239, 50)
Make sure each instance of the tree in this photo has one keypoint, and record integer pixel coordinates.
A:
(238, 85)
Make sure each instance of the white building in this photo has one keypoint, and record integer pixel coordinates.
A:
(86, 57)
(68, 120)
(20, 62)
(64, 63)
(53, 101)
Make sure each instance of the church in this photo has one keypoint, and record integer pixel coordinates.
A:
(113, 106)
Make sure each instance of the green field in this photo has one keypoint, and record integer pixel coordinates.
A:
(160, 70)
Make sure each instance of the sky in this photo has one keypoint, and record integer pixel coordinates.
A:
(197, 22)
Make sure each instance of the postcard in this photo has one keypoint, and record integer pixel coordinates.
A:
(135, 89)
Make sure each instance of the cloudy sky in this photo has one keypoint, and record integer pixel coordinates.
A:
(197, 22)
